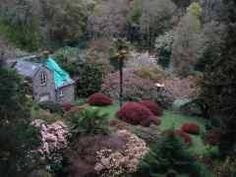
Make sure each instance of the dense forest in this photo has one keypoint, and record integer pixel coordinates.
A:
(154, 88)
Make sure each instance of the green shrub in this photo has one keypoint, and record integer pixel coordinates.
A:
(51, 106)
(90, 80)
(17, 142)
(168, 153)
(89, 121)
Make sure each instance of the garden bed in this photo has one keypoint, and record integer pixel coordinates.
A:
(172, 120)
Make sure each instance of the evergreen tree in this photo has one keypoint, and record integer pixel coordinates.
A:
(17, 138)
(219, 87)
(167, 154)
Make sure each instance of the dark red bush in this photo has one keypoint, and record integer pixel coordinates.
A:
(152, 106)
(191, 128)
(67, 107)
(137, 114)
(99, 99)
(187, 138)
(213, 137)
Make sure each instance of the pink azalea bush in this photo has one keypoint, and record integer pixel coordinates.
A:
(53, 139)
(112, 163)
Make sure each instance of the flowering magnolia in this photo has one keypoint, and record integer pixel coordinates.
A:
(137, 60)
(135, 88)
(126, 160)
(188, 87)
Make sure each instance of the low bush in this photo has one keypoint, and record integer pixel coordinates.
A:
(191, 128)
(99, 99)
(53, 141)
(213, 136)
(51, 106)
(112, 155)
(89, 122)
(67, 107)
(123, 161)
(46, 116)
(152, 106)
(137, 114)
(186, 138)
(149, 134)
(82, 153)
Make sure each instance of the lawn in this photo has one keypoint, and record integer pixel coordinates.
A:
(172, 120)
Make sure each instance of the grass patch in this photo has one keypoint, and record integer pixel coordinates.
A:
(174, 120)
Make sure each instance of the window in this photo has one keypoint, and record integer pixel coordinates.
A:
(61, 93)
(43, 78)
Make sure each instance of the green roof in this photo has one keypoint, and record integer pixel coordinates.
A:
(61, 77)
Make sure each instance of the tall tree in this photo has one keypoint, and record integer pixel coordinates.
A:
(187, 41)
(108, 19)
(219, 87)
(17, 138)
(155, 19)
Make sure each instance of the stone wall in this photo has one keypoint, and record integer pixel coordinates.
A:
(43, 91)
(66, 94)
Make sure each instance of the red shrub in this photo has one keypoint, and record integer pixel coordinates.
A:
(135, 113)
(152, 106)
(67, 107)
(213, 137)
(191, 128)
(187, 139)
(99, 99)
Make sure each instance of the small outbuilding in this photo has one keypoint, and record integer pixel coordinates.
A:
(47, 80)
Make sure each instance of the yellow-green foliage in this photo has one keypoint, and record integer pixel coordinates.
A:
(135, 13)
(195, 9)
(152, 73)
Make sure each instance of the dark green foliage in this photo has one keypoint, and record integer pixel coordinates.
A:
(90, 80)
(213, 34)
(12, 96)
(17, 138)
(219, 87)
(52, 107)
(89, 122)
(168, 154)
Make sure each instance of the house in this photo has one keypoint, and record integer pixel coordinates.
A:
(47, 80)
